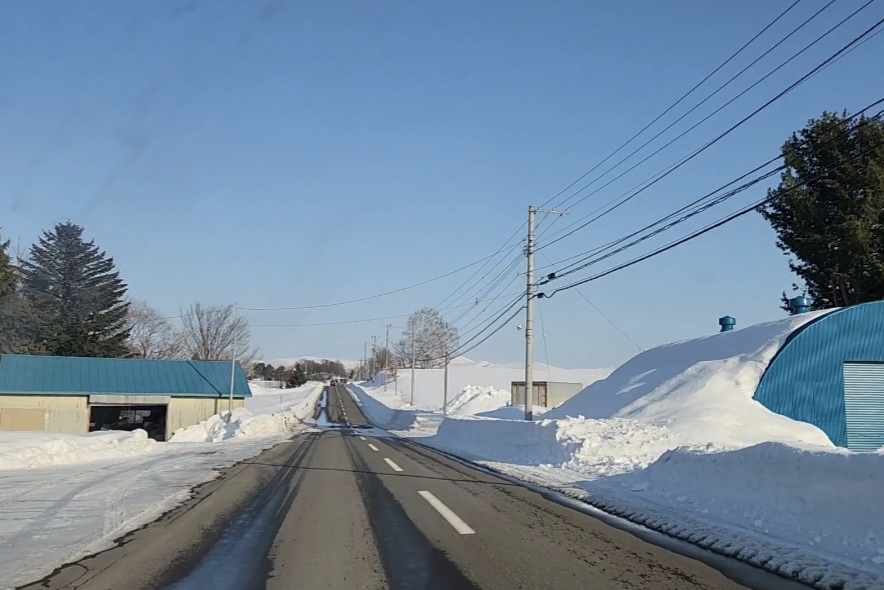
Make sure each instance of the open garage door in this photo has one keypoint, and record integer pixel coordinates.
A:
(151, 418)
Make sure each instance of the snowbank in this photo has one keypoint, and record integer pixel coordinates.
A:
(701, 389)
(674, 441)
(271, 412)
(24, 450)
(595, 448)
(786, 492)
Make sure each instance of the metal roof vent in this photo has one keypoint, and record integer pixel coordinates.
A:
(727, 323)
(800, 304)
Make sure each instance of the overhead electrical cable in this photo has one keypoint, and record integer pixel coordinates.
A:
(676, 103)
(693, 235)
(629, 195)
(370, 297)
(697, 206)
(708, 97)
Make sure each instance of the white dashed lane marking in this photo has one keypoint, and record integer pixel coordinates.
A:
(372, 447)
(453, 519)
(392, 464)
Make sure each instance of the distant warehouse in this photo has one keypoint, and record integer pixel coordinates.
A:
(75, 395)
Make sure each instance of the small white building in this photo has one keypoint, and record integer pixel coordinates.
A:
(547, 394)
(76, 395)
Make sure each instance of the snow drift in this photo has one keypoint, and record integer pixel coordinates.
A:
(24, 450)
(673, 440)
(701, 389)
(270, 412)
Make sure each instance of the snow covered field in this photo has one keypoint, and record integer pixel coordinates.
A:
(463, 373)
(63, 497)
(673, 440)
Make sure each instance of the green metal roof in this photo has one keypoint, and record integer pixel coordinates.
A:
(57, 375)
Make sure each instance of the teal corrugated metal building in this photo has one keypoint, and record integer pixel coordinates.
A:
(78, 395)
(830, 373)
(53, 375)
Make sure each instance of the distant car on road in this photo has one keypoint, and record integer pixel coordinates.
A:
(333, 382)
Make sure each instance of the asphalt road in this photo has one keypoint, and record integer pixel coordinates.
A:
(348, 507)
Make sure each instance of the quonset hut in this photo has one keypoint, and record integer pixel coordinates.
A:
(830, 373)
(824, 369)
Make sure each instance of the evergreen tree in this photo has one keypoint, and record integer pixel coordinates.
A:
(17, 321)
(828, 210)
(79, 295)
(297, 378)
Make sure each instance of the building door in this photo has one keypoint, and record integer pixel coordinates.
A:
(864, 405)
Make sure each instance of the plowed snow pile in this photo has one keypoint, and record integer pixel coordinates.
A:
(673, 440)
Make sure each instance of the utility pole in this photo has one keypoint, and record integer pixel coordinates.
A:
(445, 387)
(386, 356)
(364, 360)
(529, 312)
(374, 356)
(413, 357)
(232, 368)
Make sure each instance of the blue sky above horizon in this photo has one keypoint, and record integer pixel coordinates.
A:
(276, 154)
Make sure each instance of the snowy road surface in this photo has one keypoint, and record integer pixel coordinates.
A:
(348, 506)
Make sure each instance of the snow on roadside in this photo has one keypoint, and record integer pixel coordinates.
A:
(63, 497)
(673, 440)
(270, 412)
(26, 450)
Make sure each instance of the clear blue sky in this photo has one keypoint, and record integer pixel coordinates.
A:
(274, 153)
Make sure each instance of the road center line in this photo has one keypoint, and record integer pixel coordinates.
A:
(361, 438)
(453, 519)
(372, 447)
(392, 464)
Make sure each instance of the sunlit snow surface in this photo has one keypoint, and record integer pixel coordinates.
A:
(65, 497)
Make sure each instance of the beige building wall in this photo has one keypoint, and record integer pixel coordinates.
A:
(64, 413)
(70, 414)
(187, 411)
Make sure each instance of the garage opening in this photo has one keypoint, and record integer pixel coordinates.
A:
(130, 417)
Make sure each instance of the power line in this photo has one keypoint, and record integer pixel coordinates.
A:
(609, 245)
(487, 260)
(704, 230)
(545, 346)
(675, 104)
(700, 205)
(370, 297)
(696, 211)
(598, 311)
(626, 197)
(710, 96)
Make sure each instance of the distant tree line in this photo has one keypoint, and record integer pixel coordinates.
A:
(299, 373)
(65, 297)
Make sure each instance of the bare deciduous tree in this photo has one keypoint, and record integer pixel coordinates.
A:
(208, 334)
(434, 338)
(151, 335)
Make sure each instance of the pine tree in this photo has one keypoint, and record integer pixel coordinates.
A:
(297, 378)
(79, 295)
(828, 210)
(17, 320)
